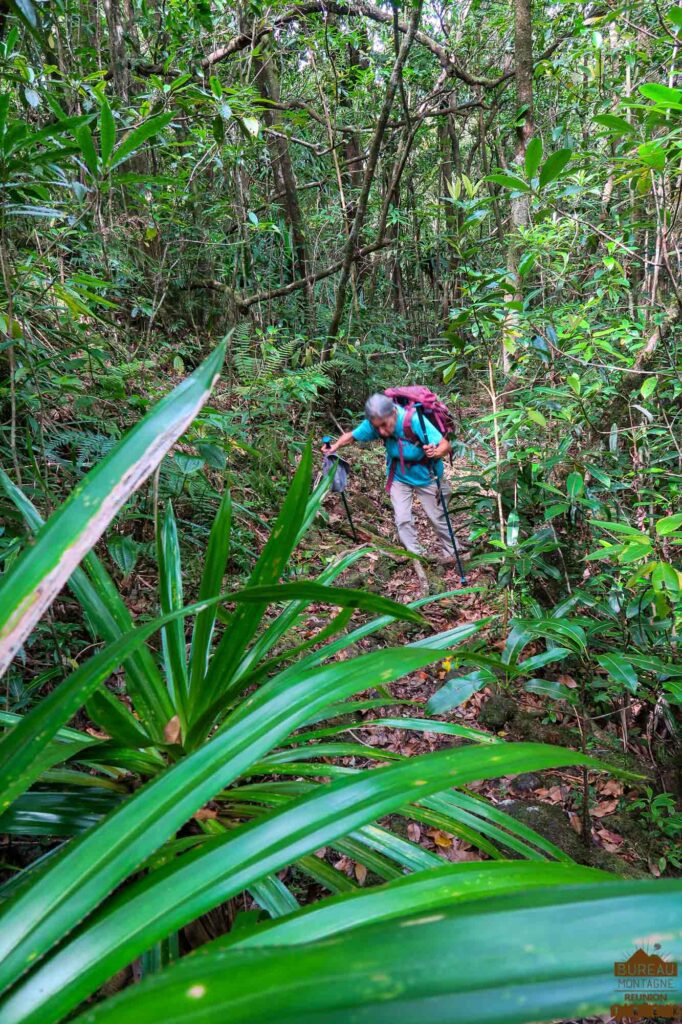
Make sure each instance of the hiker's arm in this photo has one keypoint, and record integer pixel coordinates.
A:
(341, 442)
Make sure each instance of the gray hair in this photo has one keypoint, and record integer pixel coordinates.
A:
(378, 406)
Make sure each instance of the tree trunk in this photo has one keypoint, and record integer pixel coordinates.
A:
(370, 168)
(282, 168)
(520, 204)
(118, 66)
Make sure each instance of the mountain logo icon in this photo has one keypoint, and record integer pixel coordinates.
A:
(645, 965)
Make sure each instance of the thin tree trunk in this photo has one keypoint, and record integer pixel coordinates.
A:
(283, 170)
(520, 204)
(370, 168)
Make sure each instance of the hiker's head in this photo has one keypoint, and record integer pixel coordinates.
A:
(382, 414)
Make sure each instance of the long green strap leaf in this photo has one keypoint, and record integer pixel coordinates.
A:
(21, 749)
(161, 903)
(102, 858)
(43, 567)
(211, 584)
(172, 635)
(109, 619)
(424, 891)
(245, 621)
(509, 959)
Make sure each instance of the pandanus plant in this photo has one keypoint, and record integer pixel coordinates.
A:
(239, 719)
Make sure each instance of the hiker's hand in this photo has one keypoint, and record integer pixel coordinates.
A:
(431, 451)
(328, 449)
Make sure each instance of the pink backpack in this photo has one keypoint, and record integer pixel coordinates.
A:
(435, 411)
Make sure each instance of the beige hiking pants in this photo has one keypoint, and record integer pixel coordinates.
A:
(401, 498)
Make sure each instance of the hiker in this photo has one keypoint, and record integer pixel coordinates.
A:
(410, 467)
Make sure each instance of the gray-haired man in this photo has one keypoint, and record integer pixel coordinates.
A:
(409, 468)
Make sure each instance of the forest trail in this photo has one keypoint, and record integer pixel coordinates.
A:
(549, 802)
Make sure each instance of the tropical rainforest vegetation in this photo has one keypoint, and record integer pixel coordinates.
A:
(255, 766)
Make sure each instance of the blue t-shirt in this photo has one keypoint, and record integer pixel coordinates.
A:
(417, 474)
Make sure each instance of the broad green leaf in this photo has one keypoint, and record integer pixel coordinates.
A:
(509, 181)
(548, 688)
(562, 631)
(389, 974)
(107, 132)
(666, 577)
(662, 95)
(40, 571)
(513, 526)
(454, 801)
(206, 876)
(536, 417)
(136, 137)
(85, 141)
(613, 439)
(4, 107)
(514, 644)
(251, 124)
(653, 155)
(669, 524)
(634, 550)
(620, 669)
(575, 485)
(616, 527)
(27, 11)
(598, 474)
(428, 725)
(533, 156)
(526, 264)
(553, 166)
(648, 387)
(675, 15)
(344, 597)
(537, 661)
(124, 551)
(619, 125)
(459, 689)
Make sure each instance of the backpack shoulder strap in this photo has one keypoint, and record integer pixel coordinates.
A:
(409, 430)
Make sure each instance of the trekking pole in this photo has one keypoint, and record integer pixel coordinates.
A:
(340, 489)
(441, 496)
(350, 518)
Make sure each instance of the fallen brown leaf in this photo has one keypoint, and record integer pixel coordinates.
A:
(361, 873)
(610, 837)
(441, 839)
(606, 807)
(205, 814)
(414, 832)
(172, 730)
(612, 788)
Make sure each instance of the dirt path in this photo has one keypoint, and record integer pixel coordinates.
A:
(548, 801)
